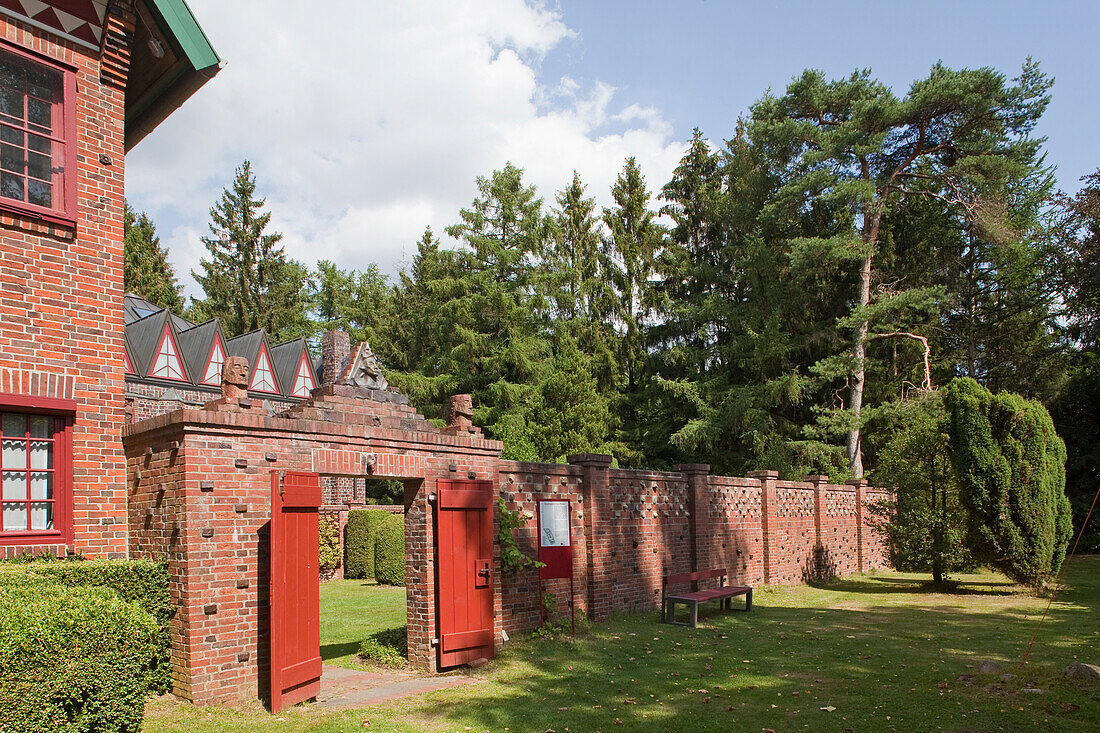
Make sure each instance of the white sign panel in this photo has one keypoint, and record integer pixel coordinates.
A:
(554, 521)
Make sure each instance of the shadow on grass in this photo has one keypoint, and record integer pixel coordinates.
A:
(876, 585)
(791, 667)
(335, 651)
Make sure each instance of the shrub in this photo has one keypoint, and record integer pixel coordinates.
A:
(144, 582)
(389, 551)
(389, 647)
(362, 534)
(328, 530)
(73, 659)
(1011, 467)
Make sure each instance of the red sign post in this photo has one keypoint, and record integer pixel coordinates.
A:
(556, 547)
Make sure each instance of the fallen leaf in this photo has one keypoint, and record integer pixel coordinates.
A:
(828, 708)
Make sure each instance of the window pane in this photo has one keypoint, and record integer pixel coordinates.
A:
(11, 158)
(41, 486)
(11, 186)
(44, 83)
(39, 193)
(11, 103)
(38, 112)
(11, 135)
(38, 166)
(41, 454)
(14, 454)
(15, 486)
(42, 515)
(15, 517)
(41, 427)
(11, 73)
(14, 425)
(40, 144)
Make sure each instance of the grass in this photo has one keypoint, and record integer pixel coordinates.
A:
(353, 611)
(870, 653)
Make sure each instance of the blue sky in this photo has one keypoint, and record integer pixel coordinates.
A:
(368, 120)
(704, 63)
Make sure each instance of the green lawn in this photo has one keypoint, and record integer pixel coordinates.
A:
(877, 651)
(351, 610)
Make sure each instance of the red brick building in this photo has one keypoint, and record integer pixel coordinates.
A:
(81, 83)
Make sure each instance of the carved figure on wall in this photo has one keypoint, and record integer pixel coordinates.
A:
(364, 370)
(235, 378)
(460, 412)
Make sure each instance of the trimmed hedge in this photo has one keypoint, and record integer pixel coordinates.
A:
(72, 659)
(359, 542)
(144, 582)
(389, 551)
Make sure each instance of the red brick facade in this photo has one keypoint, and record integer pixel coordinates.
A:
(60, 289)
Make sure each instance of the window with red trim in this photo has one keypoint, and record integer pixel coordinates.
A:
(166, 364)
(263, 378)
(214, 364)
(303, 382)
(37, 135)
(35, 471)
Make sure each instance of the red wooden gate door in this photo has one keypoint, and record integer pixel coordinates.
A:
(464, 521)
(295, 611)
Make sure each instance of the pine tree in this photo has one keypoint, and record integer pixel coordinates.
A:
(247, 280)
(353, 301)
(956, 137)
(146, 270)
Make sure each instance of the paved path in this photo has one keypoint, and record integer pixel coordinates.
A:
(349, 688)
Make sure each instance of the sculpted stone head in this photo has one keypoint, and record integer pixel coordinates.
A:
(235, 377)
(460, 411)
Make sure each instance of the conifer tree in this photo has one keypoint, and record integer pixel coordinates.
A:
(146, 269)
(247, 280)
(956, 137)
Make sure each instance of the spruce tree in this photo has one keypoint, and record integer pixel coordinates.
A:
(146, 270)
(247, 280)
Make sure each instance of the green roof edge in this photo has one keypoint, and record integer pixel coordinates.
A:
(187, 31)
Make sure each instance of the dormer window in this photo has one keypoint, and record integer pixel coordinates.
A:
(303, 382)
(214, 364)
(37, 135)
(263, 377)
(167, 364)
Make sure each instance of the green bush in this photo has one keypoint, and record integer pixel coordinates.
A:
(144, 582)
(389, 551)
(389, 647)
(73, 659)
(328, 544)
(1011, 466)
(362, 534)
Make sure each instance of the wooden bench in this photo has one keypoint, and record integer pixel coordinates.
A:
(723, 593)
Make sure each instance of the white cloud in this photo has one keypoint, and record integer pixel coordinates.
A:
(366, 122)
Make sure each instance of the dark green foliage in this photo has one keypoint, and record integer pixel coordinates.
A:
(248, 282)
(389, 550)
(144, 582)
(1011, 468)
(73, 659)
(925, 524)
(351, 301)
(328, 531)
(146, 270)
(390, 647)
(360, 538)
(511, 557)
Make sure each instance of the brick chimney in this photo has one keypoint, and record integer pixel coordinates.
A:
(335, 352)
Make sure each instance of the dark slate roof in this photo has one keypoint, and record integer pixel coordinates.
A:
(145, 323)
(195, 344)
(285, 359)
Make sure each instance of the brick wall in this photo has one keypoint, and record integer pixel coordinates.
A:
(60, 304)
(631, 528)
